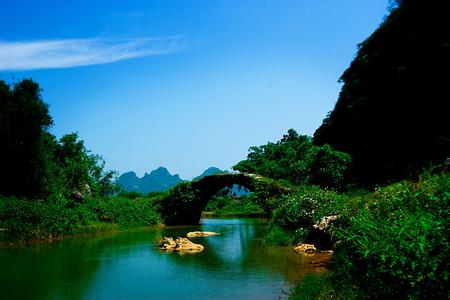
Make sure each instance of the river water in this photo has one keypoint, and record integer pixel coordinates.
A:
(129, 265)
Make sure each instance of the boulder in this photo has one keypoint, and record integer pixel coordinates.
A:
(321, 234)
(325, 223)
(179, 244)
(306, 249)
(201, 233)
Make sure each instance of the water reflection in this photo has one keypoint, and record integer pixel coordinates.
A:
(130, 266)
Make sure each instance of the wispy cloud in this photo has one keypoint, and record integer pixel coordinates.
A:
(29, 55)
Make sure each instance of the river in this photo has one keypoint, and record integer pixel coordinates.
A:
(129, 265)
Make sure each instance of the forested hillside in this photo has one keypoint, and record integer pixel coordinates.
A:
(392, 112)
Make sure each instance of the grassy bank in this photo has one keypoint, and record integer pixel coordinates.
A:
(26, 220)
(226, 206)
(392, 242)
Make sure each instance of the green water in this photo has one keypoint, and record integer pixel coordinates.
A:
(234, 265)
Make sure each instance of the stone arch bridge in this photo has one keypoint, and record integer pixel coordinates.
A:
(186, 201)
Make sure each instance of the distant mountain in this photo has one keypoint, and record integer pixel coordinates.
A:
(158, 180)
(210, 171)
(161, 180)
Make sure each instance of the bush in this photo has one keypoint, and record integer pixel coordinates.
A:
(278, 236)
(229, 206)
(314, 286)
(304, 208)
(124, 211)
(176, 207)
(30, 220)
(26, 219)
(396, 244)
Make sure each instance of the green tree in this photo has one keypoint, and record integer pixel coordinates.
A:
(24, 121)
(35, 163)
(296, 159)
(79, 170)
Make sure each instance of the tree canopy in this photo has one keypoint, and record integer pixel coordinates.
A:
(296, 159)
(35, 164)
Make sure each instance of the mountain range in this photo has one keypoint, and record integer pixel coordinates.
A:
(158, 180)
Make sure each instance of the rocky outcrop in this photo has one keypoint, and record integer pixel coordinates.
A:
(194, 234)
(80, 195)
(325, 223)
(321, 233)
(179, 244)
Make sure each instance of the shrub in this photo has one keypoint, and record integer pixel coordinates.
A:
(229, 206)
(396, 244)
(278, 236)
(304, 208)
(124, 211)
(176, 207)
(29, 220)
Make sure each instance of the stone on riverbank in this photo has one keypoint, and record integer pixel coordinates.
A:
(321, 233)
(308, 249)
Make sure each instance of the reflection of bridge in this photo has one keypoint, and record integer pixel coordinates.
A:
(186, 201)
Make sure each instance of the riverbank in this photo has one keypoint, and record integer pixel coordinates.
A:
(391, 242)
(26, 220)
(227, 206)
(213, 214)
(94, 230)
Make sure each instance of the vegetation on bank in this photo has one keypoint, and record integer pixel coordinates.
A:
(227, 206)
(295, 159)
(391, 243)
(32, 220)
(54, 187)
(392, 239)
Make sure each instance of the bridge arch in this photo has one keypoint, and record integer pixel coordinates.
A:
(186, 201)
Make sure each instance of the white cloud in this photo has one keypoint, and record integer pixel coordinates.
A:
(29, 55)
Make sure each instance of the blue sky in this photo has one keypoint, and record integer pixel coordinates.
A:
(183, 84)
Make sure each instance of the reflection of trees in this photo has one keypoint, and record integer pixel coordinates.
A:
(239, 249)
(75, 268)
(62, 269)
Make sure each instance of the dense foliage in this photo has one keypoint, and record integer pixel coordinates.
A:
(51, 186)
(178, 205)
(29, 220)
(36, 164)
(225, 205)
(392, 242)
(392, 114)
(294, 158)
(24, 120)
(396, 242)
(296, 213)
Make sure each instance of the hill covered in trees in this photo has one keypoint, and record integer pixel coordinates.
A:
(158, 180)
(392, 112)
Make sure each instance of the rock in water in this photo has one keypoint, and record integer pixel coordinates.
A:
(179, 244)
(167, 243)
(201, 233)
